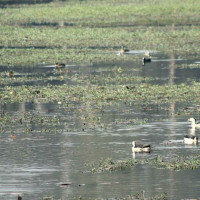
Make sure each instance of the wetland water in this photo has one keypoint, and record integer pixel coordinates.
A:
(36, 164)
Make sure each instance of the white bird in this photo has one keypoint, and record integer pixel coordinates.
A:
(194, 122)
(140, 147)
(190, 139)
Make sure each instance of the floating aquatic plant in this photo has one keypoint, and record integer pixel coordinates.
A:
(179, 163)
(27, 122)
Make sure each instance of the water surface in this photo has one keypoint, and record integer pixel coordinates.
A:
(36, 164)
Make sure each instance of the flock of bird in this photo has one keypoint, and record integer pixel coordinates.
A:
(145, 59)
(188, 139)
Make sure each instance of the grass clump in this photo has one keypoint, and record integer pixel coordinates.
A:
(178, 163)
(141, 196)
(111, 165)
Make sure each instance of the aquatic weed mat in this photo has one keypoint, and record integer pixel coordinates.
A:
(143, 93)
(177, 163)
(27, 122)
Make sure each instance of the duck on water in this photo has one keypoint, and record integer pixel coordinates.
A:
(123, 51)
(59, 65)
(146, 58)
(141, 147)
(190, 139)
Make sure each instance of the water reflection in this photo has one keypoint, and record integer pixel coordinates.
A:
(192, 131)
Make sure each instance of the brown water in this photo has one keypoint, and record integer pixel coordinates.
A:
(36, 164)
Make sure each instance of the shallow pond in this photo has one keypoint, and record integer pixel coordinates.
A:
(37, 163)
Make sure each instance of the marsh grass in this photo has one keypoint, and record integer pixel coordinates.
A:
(177, 163)
(89, 13)
(142, 93)
(138, 195)
(110, 165)
(80, 45)
(142, 196)
(91, 32)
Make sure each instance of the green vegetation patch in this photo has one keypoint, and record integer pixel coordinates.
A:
(178, 163)
(25, 46)
(141, 93)
(106, 13)
(27, 122)
(73, 32)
